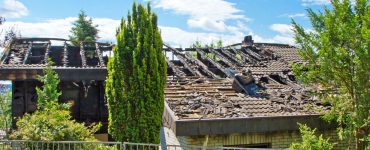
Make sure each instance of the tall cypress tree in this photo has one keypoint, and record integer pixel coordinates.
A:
(136, 78)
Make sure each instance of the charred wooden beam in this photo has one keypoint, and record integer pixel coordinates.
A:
(100, 56)
(204, 68)
(65, 54)
(82, 54)
(185, 61)
(231, 57)
(47, 51)
(27, 53)
(65, 74)
(222, 57)
(247, 58)
(175, 69)
(196, 65)
(252, 54)
(214, 63)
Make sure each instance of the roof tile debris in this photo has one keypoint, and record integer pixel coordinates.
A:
(244, 80)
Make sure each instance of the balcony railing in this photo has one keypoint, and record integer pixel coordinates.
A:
(83, 145)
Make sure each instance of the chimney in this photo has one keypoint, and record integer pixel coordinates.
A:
(248, 41)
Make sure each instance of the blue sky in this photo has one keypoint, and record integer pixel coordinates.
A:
(181, 21)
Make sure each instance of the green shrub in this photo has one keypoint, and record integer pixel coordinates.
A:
(310, 141)
(53, 125)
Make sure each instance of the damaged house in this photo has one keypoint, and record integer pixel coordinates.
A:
(243, 95)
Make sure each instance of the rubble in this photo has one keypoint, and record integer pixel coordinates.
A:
(259, 84)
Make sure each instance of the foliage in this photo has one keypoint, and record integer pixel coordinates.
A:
(337, 59)
(52, 121)
(47, 97)
(52, 125)
(9, 34)
(219, 43)
(137, 75)
(5, 110)
(310, 141)
(212, 45)
(83, 30)
(197, 44)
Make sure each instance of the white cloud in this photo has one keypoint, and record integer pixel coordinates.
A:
(315, 2)
(209, 15)
(284, 29)
(297, 15)
(178, 37)
(60, 28)
(285, 33)
(13, 9)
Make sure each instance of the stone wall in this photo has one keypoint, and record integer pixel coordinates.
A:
(272, 140)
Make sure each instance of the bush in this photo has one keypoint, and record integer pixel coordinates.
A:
(53, 125)
(310, 141)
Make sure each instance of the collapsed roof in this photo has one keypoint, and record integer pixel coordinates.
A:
(245, 87)
(26, 57)
(243, 81)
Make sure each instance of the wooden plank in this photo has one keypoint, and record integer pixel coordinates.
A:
(100, 56)
(27, 53)
(82, 54)
(47, 51)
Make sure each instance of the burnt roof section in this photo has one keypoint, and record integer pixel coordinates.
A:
(25, 58)
(241, 88)
(243, 80)
(34, 53)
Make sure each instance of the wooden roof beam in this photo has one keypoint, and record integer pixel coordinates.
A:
(27, 53)
(183, 59)
(231, 57)
(82, 54)
(65, 54)
(47, 51)
(222, 57)
(214, 63)
(175, 69)
(204, 68)
(100, 56)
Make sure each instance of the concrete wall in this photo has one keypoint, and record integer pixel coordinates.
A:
(274, 140)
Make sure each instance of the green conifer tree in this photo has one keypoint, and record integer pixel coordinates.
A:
(83, 30)
(137, 74)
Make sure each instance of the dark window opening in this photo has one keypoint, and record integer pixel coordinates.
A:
(261, 145)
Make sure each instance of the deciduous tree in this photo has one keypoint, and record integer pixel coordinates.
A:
(337, 62)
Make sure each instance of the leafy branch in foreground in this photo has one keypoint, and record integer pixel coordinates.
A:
(337, 58)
